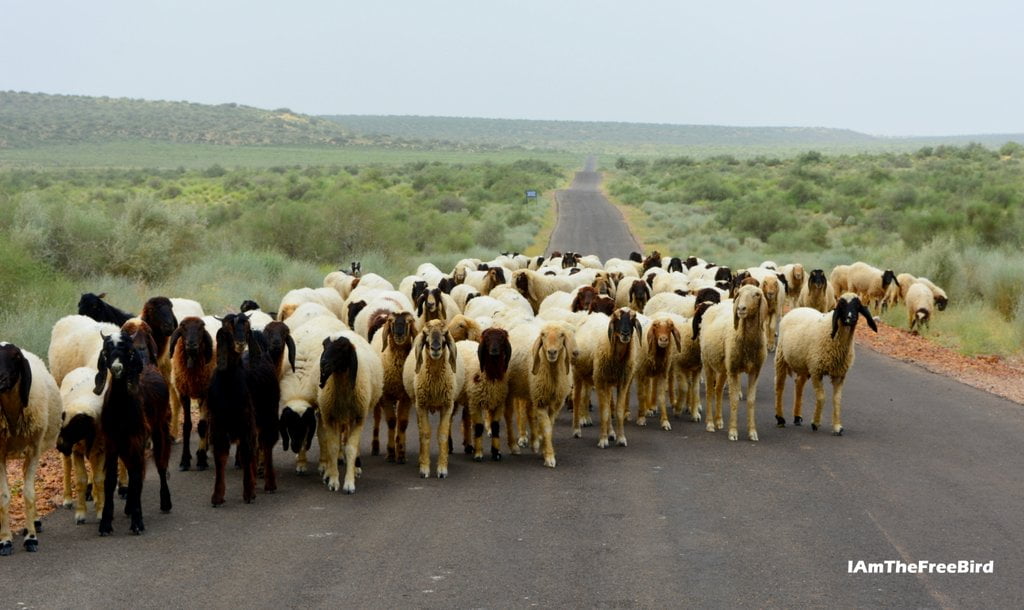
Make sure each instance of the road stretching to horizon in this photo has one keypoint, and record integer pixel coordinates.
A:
(927, 469)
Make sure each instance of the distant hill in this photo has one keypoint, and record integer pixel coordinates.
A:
(640, 137)
(33, 119)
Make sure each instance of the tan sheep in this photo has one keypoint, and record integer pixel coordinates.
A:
(874, 286)
(732, 341)
(817, 292)
(661, 343)
(920, 305)
(612, 346)
(550, 384)
(394, 343)
(487, 388)
(80, 439)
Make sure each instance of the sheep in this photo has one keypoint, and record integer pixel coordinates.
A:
(394, 342)
(328, 297)
(463, 294)
(670, 282)
(633, 294)
(536, 286)
(158, 314)
(672, 303)
(732, 341)
(258, 319)
(30, 407)
(464, 328)
(610, 347)
(484, 306)
(434, 383)
(486, 281)
(341, 282)
(487, 388)
(773, 287)
(874, 286)
(513, 300)
(232, 414)
(80, 439)
(192, 368)
(794, 274)
(817, 292)
(567, 301)
(298, 421)
(362, 297)
(550, 384)
(840, 278)
(376, 308)
(941, 300)
(304, 313)
(76, 341)
(684, 376)
(920, 305)
(654, 368)
(412, 286)
(95, 307)
(264, 359)
(374, 281)
(135, 411)
(351, 382)
(435, 305)
(814, 344)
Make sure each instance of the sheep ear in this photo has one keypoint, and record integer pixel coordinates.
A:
(677, 338)
(835, 322)
(420, 300)
(453, 353)
(174, 339)
(569, 343)
(652, 341)
(419, 352)
(870, 319)
(284, 437)
(290, 343)
(25, 385)
(101, 374)
(535, 350)
(611, 329)
(735, 317)
(312, 428)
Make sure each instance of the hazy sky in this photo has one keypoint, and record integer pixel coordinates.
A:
(890, 67)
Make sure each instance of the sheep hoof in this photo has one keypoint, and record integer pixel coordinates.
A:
(31, 545)
(106, 528)
(300, 469)
(838, 432)
(515, 450)
(621, 442)
(603, 443)
(400, 459)
(122, 492)
(442, 474)
(780, 421)
(710, 427)
(733, 435)
(478, 458)
(523, 442)
(138, 528)
(665, 425)
(424, 474)
(216, 503)
(249, 499)
(814, 427)
(587, 422)
(798, 421)
(752, 435)
(6, 548)
(468, 449)
(641, 421)
(496, 456)
(348, 489)
(549, 462)
(68, 504)
(536, 446)
(577, 433)
(79, 519)
(695, 417)
(375, 448)
(88, 493)
(719, 423)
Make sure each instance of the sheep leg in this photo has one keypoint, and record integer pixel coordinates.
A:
(513, 446)
(388, 411)
(99, 477)
(107, 513)
(546, 417)
(82, 483)
(330, 447)
(352, 455)
(604, 401)
(535, 426)
(268, 438)
(621, 412)
(577, 409)
(693, 394)
(644, 398)
(423, 420)
(496, 438)
(751, 401)
(162, 457)
(522, 424)
(247, 455)
(837, 406)
(444, 431)
(220, 460)
(819, 401)
(28, 492)
(467, 430)
(478, 434)
(176, 410)
(780, 387)
(798, 400)
(136, 472)
(404, 405)
(67, 467)
(202, 429)
(186, 440)
(5, 517)
(661, 402)
(375, 444)
(676, 393)
(734, 404)
(710, 390)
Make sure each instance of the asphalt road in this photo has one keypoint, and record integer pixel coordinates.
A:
(927, 469)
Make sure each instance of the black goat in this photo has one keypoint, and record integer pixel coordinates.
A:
(95, 307)
(261, 370)
(230, 406)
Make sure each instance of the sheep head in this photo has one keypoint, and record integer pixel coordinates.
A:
(159, 314)
(750, 303)
(339, 357)
(81, 427)
(622, 324)
(435, 338)
(661, 333)
(584, 297)
(817, 279)
(462, 328)
(639, 294)
(15, 370)
(122, 359)
(279, 338)
(494, 353)
(238, 329)
(847, 310)
(555, 342)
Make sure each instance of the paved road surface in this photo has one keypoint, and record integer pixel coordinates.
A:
(928, 470)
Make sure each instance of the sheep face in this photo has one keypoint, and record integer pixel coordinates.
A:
(639, 294)
(446, 284)
(279, 338)
(248, 305)
(602, 304)
(14, 370)
(430, 303)
(521, 282)
(749, 303)
(723, 274)
(888, 277)
(495, 277)
(159, 314)
(419, 287)
(654, 260)
(298, 426)
(122, 358)
(92, 305)
(584, 297)
(353, 310)
(622, 324)
(339, 357)
(848, 308)
(636, 257)
(675, 264)
(401, 327)
(661, 333)
(142, 338)
(81, 427)
(238, 330)
(195, 341)
(553, 344)
(941, 302)
(435, 338)
(494, 353)
(817, 279)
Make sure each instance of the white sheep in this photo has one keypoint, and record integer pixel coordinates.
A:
(30, 408)
(874, 286)
(814, 344)
(462, 294)
(76, 341)
(536, 286)
(80, 439)
(817, 292)
(328, 297)
(351, 380)
(302, 314)
(463, 328)
(512, 299)
(341, 282)
(774, 291)
(920, 305)
(941, 300)
(184, 308)
(382, 304)
(434, 381)
(732, 341)
(794, 274)
(671, 302)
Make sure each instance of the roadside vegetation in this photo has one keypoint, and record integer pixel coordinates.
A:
(221, 236)
(952, 214)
